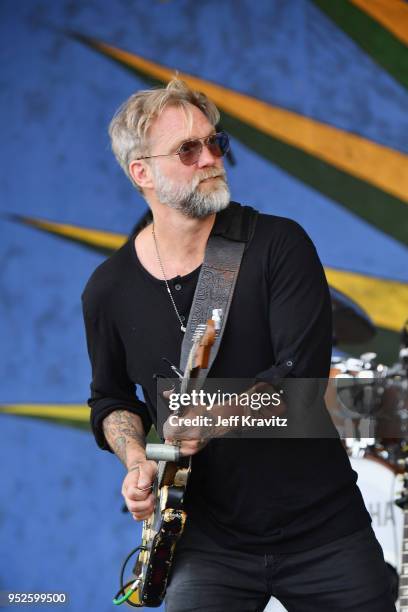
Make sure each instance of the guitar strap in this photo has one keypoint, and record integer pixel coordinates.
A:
(218, 277)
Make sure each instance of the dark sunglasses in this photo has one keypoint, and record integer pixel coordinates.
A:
(190, 151)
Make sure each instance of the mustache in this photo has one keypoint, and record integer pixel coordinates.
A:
(210, 173)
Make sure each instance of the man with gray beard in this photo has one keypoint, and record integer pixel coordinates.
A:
(187, 198)
(266, 517)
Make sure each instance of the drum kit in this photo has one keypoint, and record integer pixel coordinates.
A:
(368, 402)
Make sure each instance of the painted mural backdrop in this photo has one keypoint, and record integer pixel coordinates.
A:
(314, 95)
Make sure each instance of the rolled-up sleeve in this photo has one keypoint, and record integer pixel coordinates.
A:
(111, 388)
(300, 318)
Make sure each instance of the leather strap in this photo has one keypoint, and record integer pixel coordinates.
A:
(216, 283)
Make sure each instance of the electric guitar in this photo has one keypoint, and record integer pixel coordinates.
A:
(163, 528)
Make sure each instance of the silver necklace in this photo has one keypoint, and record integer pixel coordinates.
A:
(182, 327)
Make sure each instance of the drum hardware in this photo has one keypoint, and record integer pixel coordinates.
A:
(392, 419)
(357, 390)
(391, 425)
(402, 503)
(358, 447)
(368, 402)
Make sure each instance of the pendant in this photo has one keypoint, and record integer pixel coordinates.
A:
(183, 329)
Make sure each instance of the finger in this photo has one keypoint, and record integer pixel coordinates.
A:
(169, 431)
(144, 512)
(136, 494)
(146, 479)
(186, 444)
(141, 506)
(128, 485)
(141, 516)
(191, 448)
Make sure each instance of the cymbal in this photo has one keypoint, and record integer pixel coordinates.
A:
(351, 325)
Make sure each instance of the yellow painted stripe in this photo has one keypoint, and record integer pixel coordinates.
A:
(378, 165)
(385, 301)
(92, 237)
(392, 14)
(72, 412)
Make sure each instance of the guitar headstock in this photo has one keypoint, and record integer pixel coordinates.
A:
(199, 356)
(205, 344)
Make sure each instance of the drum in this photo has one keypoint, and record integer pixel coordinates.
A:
(354, 394)
(380, 486)
(392, 417)
(391, 421)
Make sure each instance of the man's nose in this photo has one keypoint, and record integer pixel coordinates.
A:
(206, 158)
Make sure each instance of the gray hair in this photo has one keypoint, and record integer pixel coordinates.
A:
(131, 122)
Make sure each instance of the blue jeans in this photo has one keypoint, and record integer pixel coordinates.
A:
(347, 574)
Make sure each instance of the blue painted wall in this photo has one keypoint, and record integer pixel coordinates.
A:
(60, 520)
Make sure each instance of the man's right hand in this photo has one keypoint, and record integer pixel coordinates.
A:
(137, 489)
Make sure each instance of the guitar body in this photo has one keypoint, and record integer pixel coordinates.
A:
(161, 532)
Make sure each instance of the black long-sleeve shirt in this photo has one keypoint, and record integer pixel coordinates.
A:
(261, 495)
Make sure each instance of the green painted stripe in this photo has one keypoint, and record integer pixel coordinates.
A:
(387, 50)
(393, 16)
(387, 213)
(382, 167)
(384, 211)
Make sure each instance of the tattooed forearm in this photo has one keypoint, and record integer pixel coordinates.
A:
(124, 433)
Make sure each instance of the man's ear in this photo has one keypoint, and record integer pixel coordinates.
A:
(141, 173)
